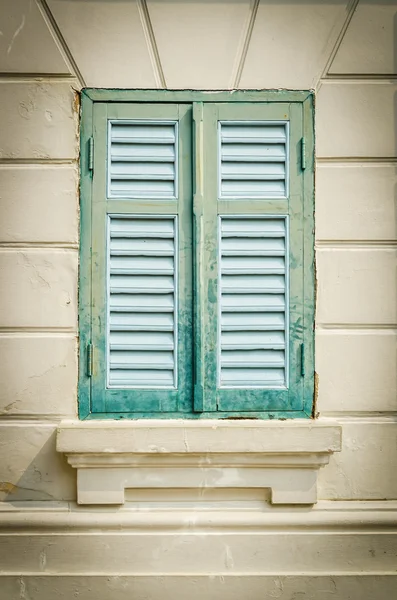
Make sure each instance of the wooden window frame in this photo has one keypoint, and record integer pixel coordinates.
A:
(91, 97)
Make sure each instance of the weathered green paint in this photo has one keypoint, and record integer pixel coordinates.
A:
(197, 396)
(267, 414)
(308, 252)
(85, 300)
(199, 400)
(176, 96)
(130, 400)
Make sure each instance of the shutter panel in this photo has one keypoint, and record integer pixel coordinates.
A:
(257, 294)
(142, 302)
(142, 160)
(253, 302)
(141, 255)
(253, 159)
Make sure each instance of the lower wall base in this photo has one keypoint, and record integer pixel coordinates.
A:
(200, 587)
(338, 550)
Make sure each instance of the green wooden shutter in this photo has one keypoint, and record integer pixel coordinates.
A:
(196, 265)
(256, 273)
(141, 259)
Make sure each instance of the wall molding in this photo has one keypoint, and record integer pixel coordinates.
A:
(335, 515)
(111, 457)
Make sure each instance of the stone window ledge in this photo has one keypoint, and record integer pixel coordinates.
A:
(282, 456)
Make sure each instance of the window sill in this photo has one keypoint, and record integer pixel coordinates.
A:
(282, 456)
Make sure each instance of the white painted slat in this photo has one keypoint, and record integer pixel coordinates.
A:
(253, 264)
(267, 284)
(135, 264)
(253, 160)
(253, 303)
(261, 229)
(141, 284)
(252, 321)
(138, 340)
(141, 302)
(238, 340)
(253, 358)
(253, 153)
(253, 377)
(141, 247)
(232, 132)
(142, 228)
(120, 359)
(142, 378)
(126, 321)
(142, 160)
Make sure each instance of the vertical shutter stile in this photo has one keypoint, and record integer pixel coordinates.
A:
(259, 202)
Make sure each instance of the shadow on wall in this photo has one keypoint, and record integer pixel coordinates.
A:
(46, 477)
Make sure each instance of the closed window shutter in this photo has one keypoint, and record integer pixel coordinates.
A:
(141, 248)
(254, 329)
(196, 264)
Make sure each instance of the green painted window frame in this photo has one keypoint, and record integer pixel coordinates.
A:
(201, 399)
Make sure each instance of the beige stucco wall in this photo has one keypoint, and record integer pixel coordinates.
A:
(346, 51)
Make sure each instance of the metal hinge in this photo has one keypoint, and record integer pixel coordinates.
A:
(91, 154)
(303, 154)
(302, 360)
(90, 356)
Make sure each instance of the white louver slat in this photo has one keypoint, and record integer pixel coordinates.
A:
(253, 302)
(253, 160)
(142, 159)
(142, 302)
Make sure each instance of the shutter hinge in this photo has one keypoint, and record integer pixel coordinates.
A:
(91, 154)
(302, 360)
(303, 154)
(90, 356)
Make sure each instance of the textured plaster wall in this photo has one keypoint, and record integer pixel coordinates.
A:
(346, 51)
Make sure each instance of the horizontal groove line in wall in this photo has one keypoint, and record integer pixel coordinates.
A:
(356, 326)
(357, 160)
(34, 421)
(38, 334)
(37, 418)
(357, 243)
(32, 162)
(190, 574)
(39, 245)
(28, 77)
(379, 416)
(360, 79)
(37, 249)
(39, 330)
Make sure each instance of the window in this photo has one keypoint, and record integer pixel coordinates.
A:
(196, 265)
